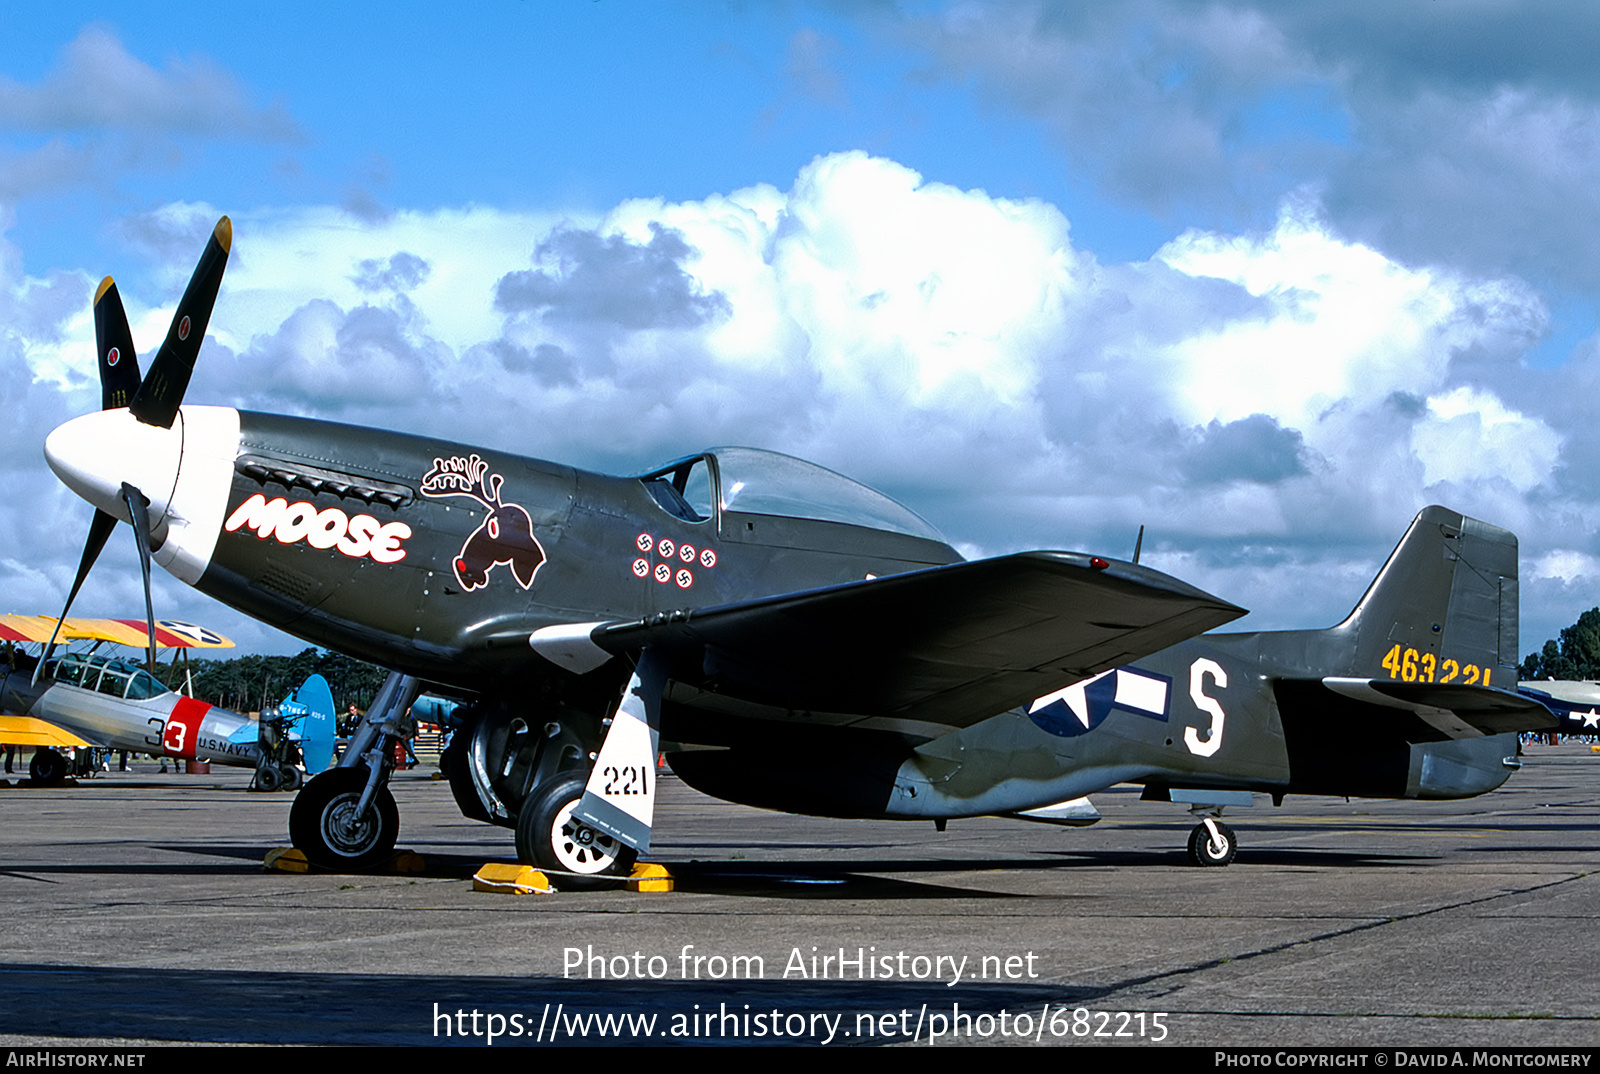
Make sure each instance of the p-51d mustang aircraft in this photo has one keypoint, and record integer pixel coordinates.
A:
(792, 639)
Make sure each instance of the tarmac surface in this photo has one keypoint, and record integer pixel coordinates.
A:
(137, 911)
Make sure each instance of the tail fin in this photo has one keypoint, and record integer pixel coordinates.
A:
(1444, 607)
(311, 711)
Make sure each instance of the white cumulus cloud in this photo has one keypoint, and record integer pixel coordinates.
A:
(1469, 435)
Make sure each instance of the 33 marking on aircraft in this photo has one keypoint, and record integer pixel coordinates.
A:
(183, 727)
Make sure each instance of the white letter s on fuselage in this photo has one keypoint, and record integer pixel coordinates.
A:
(1191, 736)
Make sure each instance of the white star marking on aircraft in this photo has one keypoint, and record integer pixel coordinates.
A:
(1074, 697)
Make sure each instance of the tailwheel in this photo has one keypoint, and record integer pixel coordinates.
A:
(549, 838)
(325, 827)
(1212, 843)
(47, 767)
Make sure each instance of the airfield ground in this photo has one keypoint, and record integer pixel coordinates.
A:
(137, 910)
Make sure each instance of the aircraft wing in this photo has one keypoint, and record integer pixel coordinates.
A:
(1451, 710)
(15, 627)
(952, 644)
(170, 633)
(28, 731)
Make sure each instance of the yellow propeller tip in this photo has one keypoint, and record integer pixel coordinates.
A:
(224, 234)
(100, 292)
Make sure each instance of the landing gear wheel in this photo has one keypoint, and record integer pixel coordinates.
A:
(548, 837)
(47, 767)
(324, 827)
(268, 779)
(289, 777)
(1203, 850)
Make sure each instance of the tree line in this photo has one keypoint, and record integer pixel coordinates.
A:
(1575, 655)
(251, 683)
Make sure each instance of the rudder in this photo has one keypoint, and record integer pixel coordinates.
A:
(311, 710)
(1444, 607)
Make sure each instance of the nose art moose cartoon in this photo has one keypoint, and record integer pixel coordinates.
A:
(506, 535)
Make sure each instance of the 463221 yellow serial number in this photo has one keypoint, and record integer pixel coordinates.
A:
(1408, 665)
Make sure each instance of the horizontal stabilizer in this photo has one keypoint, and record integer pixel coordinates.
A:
(953, 644)
(1452, 710)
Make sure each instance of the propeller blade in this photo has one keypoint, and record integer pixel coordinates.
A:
(99, 530)
(139, 512)
(159, 397)
(119, 364)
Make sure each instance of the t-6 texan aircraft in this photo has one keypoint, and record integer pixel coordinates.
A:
(90, 699)
(111, 711)
(790, 639)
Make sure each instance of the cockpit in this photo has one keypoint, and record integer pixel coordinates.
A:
(106, 675)
(756, 482)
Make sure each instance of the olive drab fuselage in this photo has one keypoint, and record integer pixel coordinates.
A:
(414, 553)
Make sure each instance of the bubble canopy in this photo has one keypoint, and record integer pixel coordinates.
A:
(756, 482)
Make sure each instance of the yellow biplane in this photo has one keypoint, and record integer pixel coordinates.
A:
(32, 732)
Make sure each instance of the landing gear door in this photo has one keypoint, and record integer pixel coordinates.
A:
(620, 796)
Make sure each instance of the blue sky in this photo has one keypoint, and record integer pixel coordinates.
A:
(576, 105)
(1262, 278)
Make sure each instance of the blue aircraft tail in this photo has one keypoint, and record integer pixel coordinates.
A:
(309, 711)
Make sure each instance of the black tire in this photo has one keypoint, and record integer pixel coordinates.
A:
(47, 767)
(290, 777)
(1202, 851)
(548, 838)
(321, 828)
(268, 779)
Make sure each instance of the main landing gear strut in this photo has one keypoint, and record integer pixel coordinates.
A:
(277, 770)
(589, 827)
(345, 818)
